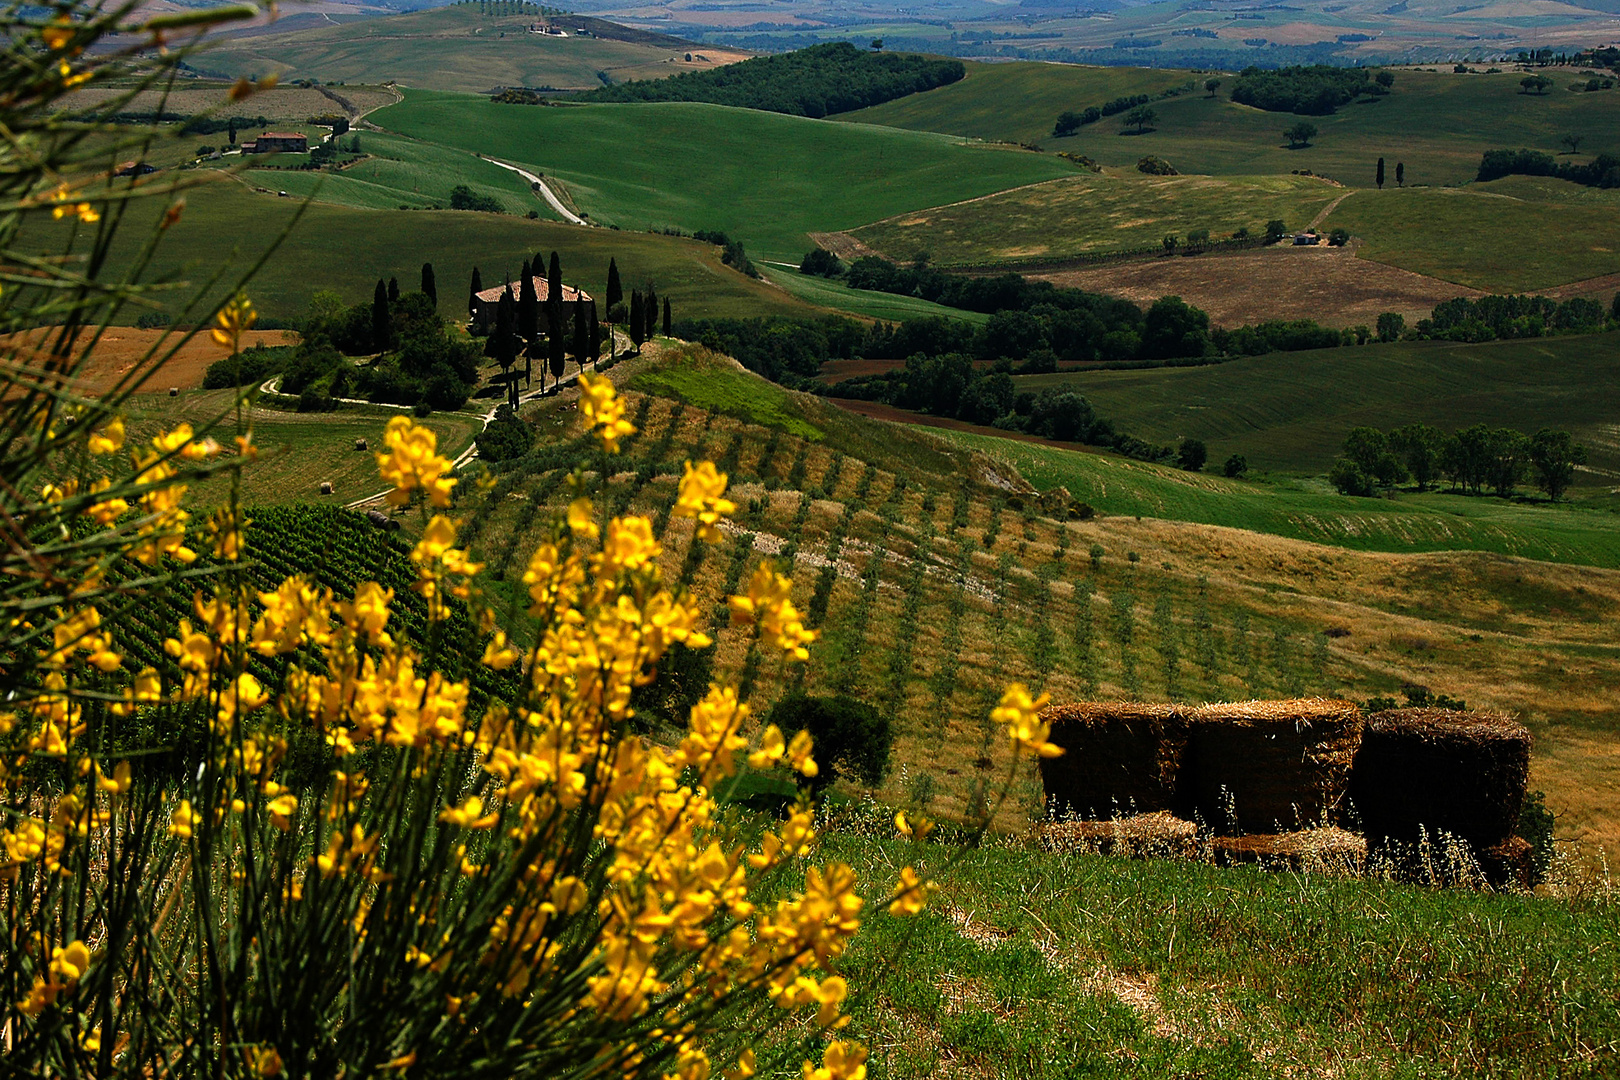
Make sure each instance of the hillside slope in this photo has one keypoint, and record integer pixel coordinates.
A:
(460, 48)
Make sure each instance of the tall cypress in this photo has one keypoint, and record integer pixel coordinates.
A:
(649, 312)
(393, 288)
(580, 330)
(638, 327)
(429, 286)
(528, 306)
(1378, 175)
(595, 339)
(666, 318)
(379, 317)
(473, 291)
(615, 291)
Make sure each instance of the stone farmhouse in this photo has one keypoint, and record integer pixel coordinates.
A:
(277, 142)
(484, 303)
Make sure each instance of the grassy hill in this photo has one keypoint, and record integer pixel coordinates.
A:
(1290, 412)
(892, 529)
(1090, 213)
(226, 224)
(459, 48)
(765, 178)
(1438, 124)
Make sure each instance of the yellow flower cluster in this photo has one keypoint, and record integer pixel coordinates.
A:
(770, 604)
(163, 528)
(67, 967)
(702, 497)
(603, 410)
(412, 463)
(1022, 715)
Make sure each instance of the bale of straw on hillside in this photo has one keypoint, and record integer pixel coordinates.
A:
(1120, 758)
(1437, 772)
(1142, 836)
(1271, 766)
(1328, 850)
(1510, 864)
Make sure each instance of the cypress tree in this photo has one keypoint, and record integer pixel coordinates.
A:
(429, 286)
(1378, 175)
(649, 313)
(1400, 174)
(379, 317)
(393, 288)
(473, 291)
(595, 339)
(638, 328)
(615, 291)
(666, 318)
(528, 306)
(581, 328)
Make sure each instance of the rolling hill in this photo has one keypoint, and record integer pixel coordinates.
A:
(460, 48)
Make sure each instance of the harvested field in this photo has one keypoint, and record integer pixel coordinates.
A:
(1436, 771)
(1121, 758)
(1270, 766)
(1330, 285)
(122, 347)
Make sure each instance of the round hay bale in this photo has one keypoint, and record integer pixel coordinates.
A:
(1143, 836)
(360, 444)
(1440, 772)
(1120, 758)
(1329, 850)
(326, 487)
(1271, 766)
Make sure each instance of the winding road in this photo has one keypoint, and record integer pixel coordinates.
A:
(540, 186)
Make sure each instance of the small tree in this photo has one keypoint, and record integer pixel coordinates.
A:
(1212, 85)
(1391, 325)
(1573, 141)
(1378, 174)
(1068, 123)
(1300, 135)
(1141, 116)
(1386, 79)
(429, 285)
(393, 289)
(1235, 466)
(1276, 229)
(1171, 242)
(1553, 457)
(1192, 454)
(1400, 174)
(1534, 84)
(1418, 447)
(850, 736)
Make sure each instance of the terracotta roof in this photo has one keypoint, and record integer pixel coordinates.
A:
(283, 135)
(542, 292)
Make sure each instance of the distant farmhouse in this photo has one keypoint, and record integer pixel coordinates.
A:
(277, 142)
(484, 304)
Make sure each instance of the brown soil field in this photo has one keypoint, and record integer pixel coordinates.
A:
(121, 347)
(1329, 285)
(283, 103)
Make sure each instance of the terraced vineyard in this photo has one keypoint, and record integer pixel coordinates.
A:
(934, 584)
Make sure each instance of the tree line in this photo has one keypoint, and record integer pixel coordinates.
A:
(1603, 171)
(1474, 460)
(1317, 90)
(818, 81)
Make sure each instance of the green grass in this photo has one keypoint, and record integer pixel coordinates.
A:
(447, 48)
(730, 392)
(404, 172)
(1488, 238)
(764, 178)
(875, 305)
(1088, 213)
(1289, 412)
(1438, 124)
(1036, 965)
(1310, 510)
(347, 250)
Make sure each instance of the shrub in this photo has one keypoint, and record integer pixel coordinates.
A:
(505, 438)
(1156, 166)
(463, 197)
(1235, 466)
(1339, 237)
(249, 367)
(850, 736)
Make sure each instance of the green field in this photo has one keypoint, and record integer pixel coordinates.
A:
(399, 172)
(1310, 510)
(1091, 213)
(1486, 238)
(450, 48)
(765, 178)
(1438, 124)
(874, 305)
(1289, 412)
(347, 250)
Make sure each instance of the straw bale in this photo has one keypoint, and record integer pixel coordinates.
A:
(1436, 771)
(1325, 850)
(1271, 766)
(1510, 864)
(1120, 758)
(1142, 836)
